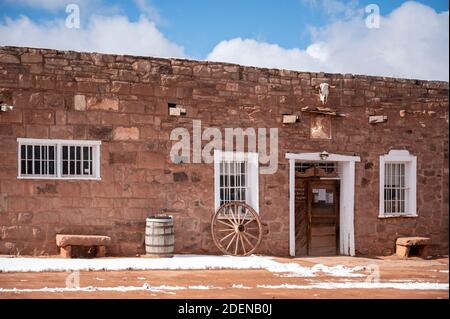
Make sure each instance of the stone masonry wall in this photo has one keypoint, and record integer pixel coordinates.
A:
(123, 101)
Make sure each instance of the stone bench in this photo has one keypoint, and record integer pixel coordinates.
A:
(412, 246)
(65, 242)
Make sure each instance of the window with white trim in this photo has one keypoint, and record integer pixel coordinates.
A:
(233, 177)
(236, 178)
(397, 184)
(58, 159)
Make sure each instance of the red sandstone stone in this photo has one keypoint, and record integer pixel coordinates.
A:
(126, 133)
(94, 103)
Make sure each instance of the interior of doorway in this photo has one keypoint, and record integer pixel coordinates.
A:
(317, 209)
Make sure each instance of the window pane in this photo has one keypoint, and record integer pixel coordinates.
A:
(51, 167)
(86, 168)
(71, 167)
(78, 167)
(29, 151)
(85, 153)
(51, 152)
(64, 153)
(65, 167)
(78, 152)
(22, 152)
(37, 167)
(30, 167)
(23, 167)
(37, 152)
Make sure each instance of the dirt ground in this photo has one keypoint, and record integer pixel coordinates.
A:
(392, 269)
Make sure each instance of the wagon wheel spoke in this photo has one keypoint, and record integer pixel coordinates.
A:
(225, 223)
(245, 215)
(237, 244)
(229, 229)
(246, 239)
(254, 218)
(252, 236)
(234, 218)
(242, 243)
(238, 213)
(226, 237)
(231, 241)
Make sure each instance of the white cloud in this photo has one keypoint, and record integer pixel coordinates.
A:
(115, 34)
(411, 42)
(150, 11)
(262, 54)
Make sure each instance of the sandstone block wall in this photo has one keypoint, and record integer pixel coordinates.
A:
(123, 101)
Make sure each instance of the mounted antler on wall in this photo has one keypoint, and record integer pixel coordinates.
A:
(324, 90)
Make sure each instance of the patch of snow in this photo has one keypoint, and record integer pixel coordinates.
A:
(184, 262)
(144, 287)
(338, 270)
(98, 278)
(141, 278)
(240, 286)
(363, 285)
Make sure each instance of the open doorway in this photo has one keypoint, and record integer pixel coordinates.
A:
(317, 167)
(317, 209)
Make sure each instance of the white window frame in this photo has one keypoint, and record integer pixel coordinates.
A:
(410, 161)
(58, 161)
(252, 180)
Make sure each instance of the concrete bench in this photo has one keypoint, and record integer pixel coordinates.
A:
(412, 246)
(65, 242)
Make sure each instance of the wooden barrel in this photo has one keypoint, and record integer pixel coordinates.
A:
(159, 236)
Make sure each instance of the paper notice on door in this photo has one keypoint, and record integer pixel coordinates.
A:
(322, 194)
(329, 198)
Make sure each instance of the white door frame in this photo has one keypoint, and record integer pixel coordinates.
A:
(346, 200)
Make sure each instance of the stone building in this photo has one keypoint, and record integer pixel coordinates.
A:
(86, 150)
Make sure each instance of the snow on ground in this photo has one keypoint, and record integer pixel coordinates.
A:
(144, 287)
(317, 285)
(178, 262)
(240, 286)
(363, 285)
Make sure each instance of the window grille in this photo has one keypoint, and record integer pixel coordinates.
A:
(58, 159)
(77, 160)
(233, 179)
(37, 160)
(395, 190)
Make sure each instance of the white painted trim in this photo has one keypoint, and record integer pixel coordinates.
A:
(252, 175)
(58, 143)
(397, 216)
(217, 159)
(61, 178)
(347, 209)
(316, 157)
(399, 156)
(292, 207)
(347, 198)
(46, 141)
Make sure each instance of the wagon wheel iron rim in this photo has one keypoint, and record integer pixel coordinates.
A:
(236, 229)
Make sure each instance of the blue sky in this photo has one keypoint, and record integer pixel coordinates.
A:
(294, 31)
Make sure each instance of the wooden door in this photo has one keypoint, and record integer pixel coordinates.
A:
(323, 214)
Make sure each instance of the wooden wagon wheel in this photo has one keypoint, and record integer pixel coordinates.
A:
(236, 229)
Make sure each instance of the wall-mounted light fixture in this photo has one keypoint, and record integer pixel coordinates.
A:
(324, 155)
(5, 107)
